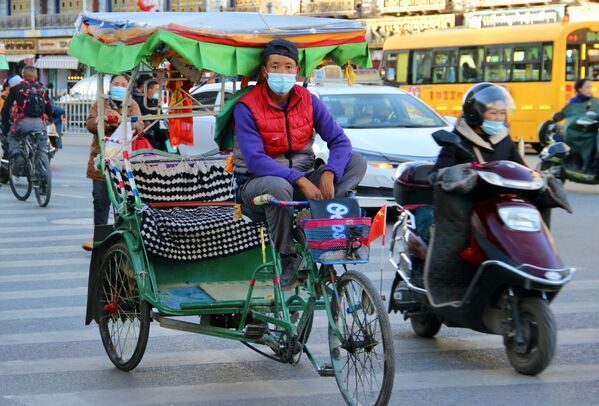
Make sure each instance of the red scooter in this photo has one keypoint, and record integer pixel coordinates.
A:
(503, 280)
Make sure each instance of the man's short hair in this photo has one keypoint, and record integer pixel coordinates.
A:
(141, 79)
(29, 73)
(280, 47)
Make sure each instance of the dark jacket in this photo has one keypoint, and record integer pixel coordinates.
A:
(16, 96)
(495, 148)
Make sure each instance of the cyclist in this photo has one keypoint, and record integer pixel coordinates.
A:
(31, 111)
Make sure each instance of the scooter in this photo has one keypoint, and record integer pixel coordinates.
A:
(557, 158)
(517, 272)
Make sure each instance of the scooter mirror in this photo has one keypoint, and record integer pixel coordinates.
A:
(559, 116)
(559, 150)
(445, 138)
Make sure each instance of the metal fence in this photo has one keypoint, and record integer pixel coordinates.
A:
(76, 109)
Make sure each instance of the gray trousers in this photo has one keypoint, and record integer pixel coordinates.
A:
(280, 219)
(25, 127)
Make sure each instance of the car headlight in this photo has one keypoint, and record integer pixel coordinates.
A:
(520, 218)
(497, 180)
(375, 160)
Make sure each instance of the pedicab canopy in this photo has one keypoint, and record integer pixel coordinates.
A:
(3, 61)
(226, 43)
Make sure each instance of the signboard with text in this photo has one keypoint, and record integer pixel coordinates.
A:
(379, 29)
(19, 46)
(404, 6)
(507, 18)
(53, 45)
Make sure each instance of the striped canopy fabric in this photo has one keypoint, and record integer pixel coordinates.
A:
(225, 43)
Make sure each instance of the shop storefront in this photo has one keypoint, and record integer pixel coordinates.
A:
(55, 66)
(19, 52)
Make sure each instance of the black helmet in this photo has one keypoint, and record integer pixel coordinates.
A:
(479, 97)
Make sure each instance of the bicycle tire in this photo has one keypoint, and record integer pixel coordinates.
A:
(43, 189)
(358, 300)
(19, 176)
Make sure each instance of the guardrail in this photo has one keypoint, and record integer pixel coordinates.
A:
(76, 109)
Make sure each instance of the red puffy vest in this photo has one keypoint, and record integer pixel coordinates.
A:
(279, 128)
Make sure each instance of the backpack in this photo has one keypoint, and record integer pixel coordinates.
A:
(34, 100)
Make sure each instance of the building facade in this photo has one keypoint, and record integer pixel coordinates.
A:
(38, 31)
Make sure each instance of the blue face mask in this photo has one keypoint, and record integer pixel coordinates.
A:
(492, 127)
(281, 83)
(118, 92)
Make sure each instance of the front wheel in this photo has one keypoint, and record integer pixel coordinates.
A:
(425, 324)
(124, 318)
(43, 181)
(539, 334)
(361, 344)
(19, 176)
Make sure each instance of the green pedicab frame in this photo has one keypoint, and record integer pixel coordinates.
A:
(279, 328)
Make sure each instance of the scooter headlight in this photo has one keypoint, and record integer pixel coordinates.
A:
(520, 218)
(497, 180)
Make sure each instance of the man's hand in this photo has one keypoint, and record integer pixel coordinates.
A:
(327, 185)
(308, 189)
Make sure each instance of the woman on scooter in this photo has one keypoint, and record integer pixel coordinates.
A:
(482, 128)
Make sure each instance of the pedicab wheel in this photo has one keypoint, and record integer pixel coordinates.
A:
(539, 333)
(363, 357)
(124, 319)
(43, 186)
(19, 176)
(425, 324)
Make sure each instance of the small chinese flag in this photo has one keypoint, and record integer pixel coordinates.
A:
(378, 226)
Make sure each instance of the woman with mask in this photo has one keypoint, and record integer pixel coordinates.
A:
(482, 128)
(113, 107)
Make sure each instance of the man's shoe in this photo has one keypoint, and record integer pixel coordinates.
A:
(290, 264)
(88, 245)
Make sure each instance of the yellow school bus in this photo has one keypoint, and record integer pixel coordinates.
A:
(538, 64)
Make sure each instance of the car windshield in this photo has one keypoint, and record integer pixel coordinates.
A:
(380, 111)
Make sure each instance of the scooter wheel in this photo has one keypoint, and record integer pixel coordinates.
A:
(540, 337)
(426, 324)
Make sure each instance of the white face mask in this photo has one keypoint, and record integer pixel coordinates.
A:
(156, 96)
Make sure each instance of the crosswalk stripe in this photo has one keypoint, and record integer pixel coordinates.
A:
(35, 277)
(47, 229)
(53, 249)
(43, 263)
(77, 311)
(31, 209)
(240, 392)
(43, 293)
(43, 238)
(22, 220)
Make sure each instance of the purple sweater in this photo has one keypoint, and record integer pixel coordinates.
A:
(258, 163)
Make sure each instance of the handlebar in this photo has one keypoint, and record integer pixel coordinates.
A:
(270, 199)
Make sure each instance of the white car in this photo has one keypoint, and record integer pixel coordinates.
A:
(385, 124)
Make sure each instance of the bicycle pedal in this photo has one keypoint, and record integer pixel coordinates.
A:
(254, 331)
(326, 370)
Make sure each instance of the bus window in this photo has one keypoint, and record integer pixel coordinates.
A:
(572, 62)
(526, 63)
(547, 61)
(497, 64)
(470, 65)
(388, 69)
(444, 70)
(421, 67)
(593, 61)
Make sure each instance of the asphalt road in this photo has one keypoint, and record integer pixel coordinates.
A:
(49, 357)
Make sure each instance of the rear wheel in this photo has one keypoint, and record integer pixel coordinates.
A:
(539, 334)
(124, 318)
(425, 324)
(43, 182)
(19, 176)
(363, 357)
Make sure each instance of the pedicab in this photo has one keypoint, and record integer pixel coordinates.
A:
(179, 249)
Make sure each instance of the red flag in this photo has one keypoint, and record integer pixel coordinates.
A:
(378, 226)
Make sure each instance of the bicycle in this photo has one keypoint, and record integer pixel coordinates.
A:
(28, 171)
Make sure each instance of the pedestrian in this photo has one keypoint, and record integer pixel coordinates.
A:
(113, 110)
